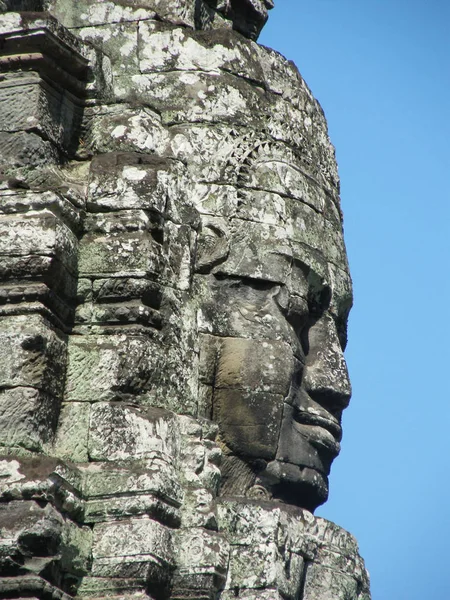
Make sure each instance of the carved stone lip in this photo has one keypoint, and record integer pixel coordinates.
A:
(324, 441)
(274, 467)
(304, 417)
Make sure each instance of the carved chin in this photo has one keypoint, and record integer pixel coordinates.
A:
(297, 485)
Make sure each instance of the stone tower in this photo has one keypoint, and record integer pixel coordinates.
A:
(174, 297)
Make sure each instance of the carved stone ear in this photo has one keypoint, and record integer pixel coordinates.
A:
(212, 246)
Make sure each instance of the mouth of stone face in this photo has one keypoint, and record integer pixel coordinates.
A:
(323, 441)
(330, 424)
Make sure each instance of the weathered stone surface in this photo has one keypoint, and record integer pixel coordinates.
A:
(322, 557)
(247, 16)
(71, 439)
(28, 418)
(129, 548)
(32, 354)
(174, 292)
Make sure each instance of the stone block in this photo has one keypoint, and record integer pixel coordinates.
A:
(146, 487)
(132, 505)
(20, 267)
(30, 529)
(38, 259)
(33, 297)
(271, 546)
(76, 548)
(108, 367)
(118, 315)
(121, 432)
(89, 14)
(200, 459)
(197, 97)
(322, 583)
(28, 418)
(280, 193)
(206, 150)
(132, 181)
(250, 521)
(32, 354)
(105, 588)
(129, 548)
(282, 77)
(38, 234)
(201, 551)
(135, 568)
(334, 246)
(198, 509)
(212, 51)
(298, 217)
(37, 278)
(127, 289)
(33, 104)
(148, 370)
(71, 440)
(202, 560)
(39, 538)
(30, 586)
(258, 253)
(119, 43)
(132, 255)
(25, 149)
(179, 247)
(244, 594)
(156, 476)
(40, 477)
(125, 128)
(264, 566)
(65, 207)
(220, 201)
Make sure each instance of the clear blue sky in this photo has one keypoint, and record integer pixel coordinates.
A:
(381, 70)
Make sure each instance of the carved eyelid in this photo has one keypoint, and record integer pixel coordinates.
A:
(319, 290)
(291, 305)
(298, 305)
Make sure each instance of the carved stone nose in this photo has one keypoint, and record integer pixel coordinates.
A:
(325, 376)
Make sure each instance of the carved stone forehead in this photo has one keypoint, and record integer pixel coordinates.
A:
(272, 219)
(246, 16)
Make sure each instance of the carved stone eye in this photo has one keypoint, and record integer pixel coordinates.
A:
(212, 249)
(295, 308)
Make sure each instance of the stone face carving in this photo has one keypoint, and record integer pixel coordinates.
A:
(174, 295)
(247, 16)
